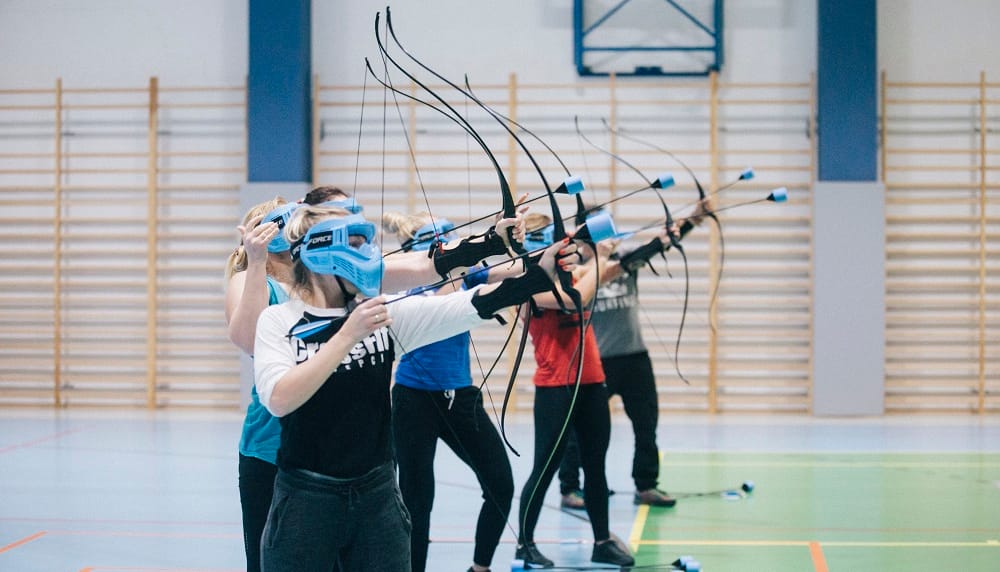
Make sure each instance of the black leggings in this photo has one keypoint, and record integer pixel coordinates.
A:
(631, 377)
(419, 419)
(256, 491)
(591, 421)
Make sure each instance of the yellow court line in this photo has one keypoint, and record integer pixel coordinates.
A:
(856, 544)
(637, 527)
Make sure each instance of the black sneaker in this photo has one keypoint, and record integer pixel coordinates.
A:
(608, 552)
(530, 555)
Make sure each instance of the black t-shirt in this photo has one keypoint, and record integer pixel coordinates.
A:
(343, 430)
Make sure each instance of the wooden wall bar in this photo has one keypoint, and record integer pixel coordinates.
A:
(120, 204)
(757, 356)
(939, 168)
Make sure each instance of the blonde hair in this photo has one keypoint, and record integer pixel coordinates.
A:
(404, 226)
(304, 218)
(237, 261)
(535, 221)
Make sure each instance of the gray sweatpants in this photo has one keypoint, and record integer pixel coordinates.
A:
(317, 521)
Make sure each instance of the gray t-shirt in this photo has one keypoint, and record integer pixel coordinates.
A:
(616, 317)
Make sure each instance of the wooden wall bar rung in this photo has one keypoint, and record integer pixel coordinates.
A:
(103, 106)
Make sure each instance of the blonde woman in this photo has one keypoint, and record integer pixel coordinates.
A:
(323, 363)
(434, 399)
(259, 274)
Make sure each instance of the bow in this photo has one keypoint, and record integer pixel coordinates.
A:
(565, 279)
(661, 182)
(508, 204)
(508, 209)
(560, 234)
(747, 174)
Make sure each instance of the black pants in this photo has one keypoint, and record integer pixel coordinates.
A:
(419, 419)
(632, 378)
(256, 491)
(591, 422)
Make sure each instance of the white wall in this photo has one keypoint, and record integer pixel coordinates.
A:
(767, 40)
(938, 41)
(122, 42)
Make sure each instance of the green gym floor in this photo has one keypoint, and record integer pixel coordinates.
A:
(137, 491)
(829, 511)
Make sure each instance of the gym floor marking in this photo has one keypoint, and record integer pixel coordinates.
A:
(140, 569)
(840, 543)
(126, 534)
(819, 562)
(842, 464)
(24, 540)
(635, 538)
(39, 440)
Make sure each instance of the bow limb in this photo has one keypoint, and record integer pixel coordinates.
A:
(702, 198)
(509, 210)
(674, 241)
(559, 233)
(581, 209)
(509, 206)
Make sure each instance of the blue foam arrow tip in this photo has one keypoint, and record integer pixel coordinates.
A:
(778, 195)
(601, 227)
(747, 174)
(664, 181)
(571, 186)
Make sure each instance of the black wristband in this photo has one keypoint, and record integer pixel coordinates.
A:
(468, 253)
(640, 256)
(686, 227)
(512, 291)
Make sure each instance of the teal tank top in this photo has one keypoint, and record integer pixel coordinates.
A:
(261, 430)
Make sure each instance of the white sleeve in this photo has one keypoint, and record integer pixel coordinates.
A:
(273, 355)
(421, 320)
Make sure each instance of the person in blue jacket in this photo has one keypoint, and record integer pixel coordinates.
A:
(434, 399)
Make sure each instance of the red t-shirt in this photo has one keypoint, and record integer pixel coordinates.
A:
(556, 337)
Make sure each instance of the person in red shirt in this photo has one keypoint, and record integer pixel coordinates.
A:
(555, 335)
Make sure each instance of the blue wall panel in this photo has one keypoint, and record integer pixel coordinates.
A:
(847, 86)
(279, 92)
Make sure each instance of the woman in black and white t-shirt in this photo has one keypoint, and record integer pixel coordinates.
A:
(323, 363)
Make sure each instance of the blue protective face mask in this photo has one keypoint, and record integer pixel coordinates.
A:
(424, 236)
(343, 247)
(539, 239)
(280, 216)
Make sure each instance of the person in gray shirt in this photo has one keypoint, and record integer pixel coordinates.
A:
(629, 373)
